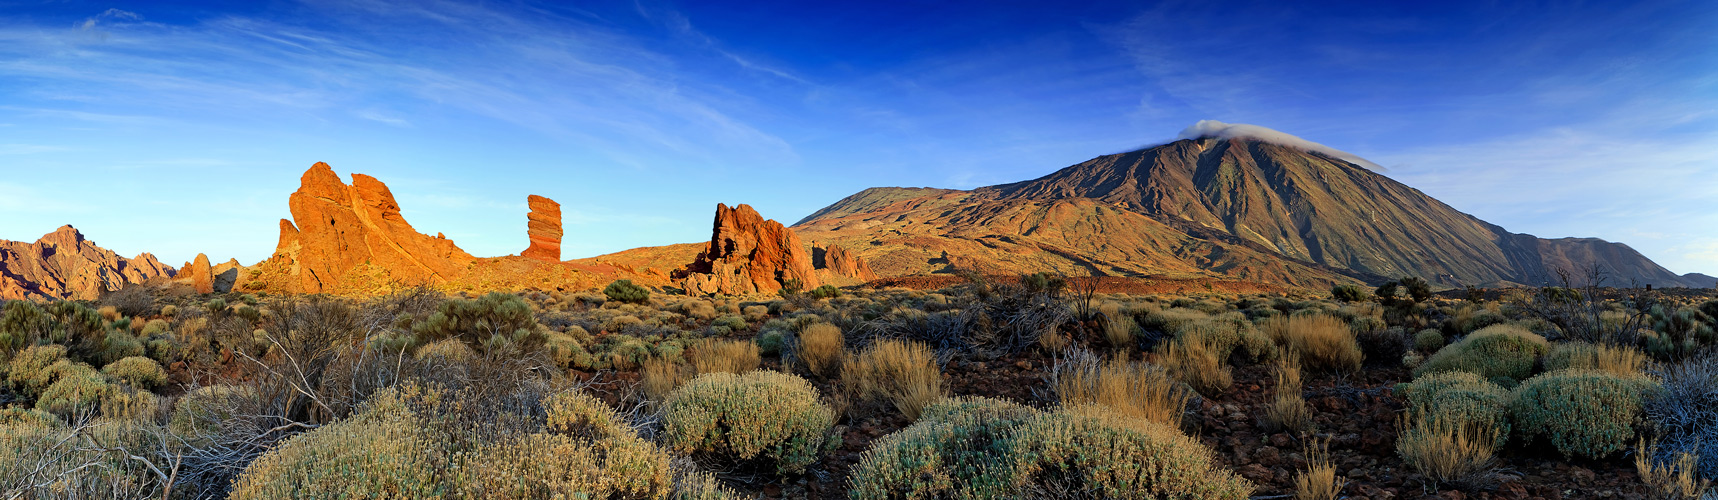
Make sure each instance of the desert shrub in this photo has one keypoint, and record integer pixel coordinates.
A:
(755, 313)
(170, 310)
(657, 377)
(81, 390)
(1428, 340)
(156, 327)
(1138, 390)
(1685, 413)
(730, 356)
(1494, 351)
(825, 292)
(1194, 361)
(1319, 481)
(1621, 360)
(952, 451)
(22, 325)
(625, 291)
(770, 342)
(1323, 342)
(1386, 345)
(1288, 410)
(401, 446)
(208, 411)
(761, 415)
(734, 323)
(119, 344)
(483, 323)
(1459, 399)
(1449, 453)
(41, 458)
(32, 370)
(903, 373)
(1585, 413)
(698, 309)
(1119, 330)
(1170, 321)
(822, 347)
(1078, 449)
(140, 372)
(1362, 325)
(976, 448)
(1416, 287)
(1673, 479)
(1348, 293)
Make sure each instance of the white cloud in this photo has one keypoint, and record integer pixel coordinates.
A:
(1220, 130)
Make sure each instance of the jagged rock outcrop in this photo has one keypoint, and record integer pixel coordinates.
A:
(544, 229)
(840, 263)
(63, 265)
(340, 234)
(747, 254)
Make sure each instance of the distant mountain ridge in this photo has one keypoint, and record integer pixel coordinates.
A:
(64, 265)
(1307, 208)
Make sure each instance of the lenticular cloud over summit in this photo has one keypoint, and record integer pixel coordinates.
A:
(1220, 130)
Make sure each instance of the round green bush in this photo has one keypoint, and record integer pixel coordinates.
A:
(950, 452)
(81, 390)
(758, 415)
(140, 372)
(770, 342)
(1493, 351)
(31, 370)
(625, 291)
(1585, 413)
(1459, 399)
(973, 448)
(393, 449)
(1429, 340)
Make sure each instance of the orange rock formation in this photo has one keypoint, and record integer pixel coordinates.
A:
(544, 229)
(747, 254)
(340, 228)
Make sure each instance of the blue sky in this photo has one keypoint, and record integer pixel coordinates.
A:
(181, 127)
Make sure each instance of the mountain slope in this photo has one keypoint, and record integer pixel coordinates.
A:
(1265, 200)
(947, 230)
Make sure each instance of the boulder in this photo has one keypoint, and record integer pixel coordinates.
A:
(340, 232)
(544, 229)
(747, 254)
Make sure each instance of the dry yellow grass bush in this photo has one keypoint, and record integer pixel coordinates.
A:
(1621, 360)
(1448, 453)
(1319, 481)
(1288, 408)
(1137, 390)
(822, 348)
(904, 373)
(730, 356)
(660, 376)
(1324, 342)
(1194, 361)
(1673, 480)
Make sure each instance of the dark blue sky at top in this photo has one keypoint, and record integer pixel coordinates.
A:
(181, 127)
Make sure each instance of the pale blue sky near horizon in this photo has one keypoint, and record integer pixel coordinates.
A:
(181, 127)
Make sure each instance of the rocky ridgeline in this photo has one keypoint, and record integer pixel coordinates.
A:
(64, 265)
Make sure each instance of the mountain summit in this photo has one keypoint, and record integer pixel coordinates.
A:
(1249, 194)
